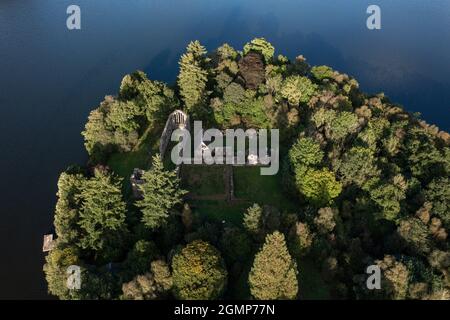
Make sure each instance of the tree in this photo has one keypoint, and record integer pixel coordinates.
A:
(325, 220)
(322, 72)
(262, 46)
(416, 235)
(253, 222)
(298, 90)
(305, 152)
(151, 285)
(235, 244)
(274, 272)
(301, 239)
(114, 125)
(345, 123)
(154, 99)
(122, 116)
(67, 208)
(139, 258)
(319, 187)
(388, 196)
(98, 139)
(55, 269)
(394, 282)
(193, 75)
(160, 193)
(102, 215)
(358, 166)
(234, 93)
(198, 272)
(438, 193)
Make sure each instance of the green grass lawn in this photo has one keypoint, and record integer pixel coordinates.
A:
(251, 186)
(203, 180)
(216, 210)
(141, 157)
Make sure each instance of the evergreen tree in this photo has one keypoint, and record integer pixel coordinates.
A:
(262, 46)
(193, 75)
(102, 215)
(253, 219)
(161, 192)
(274, 272)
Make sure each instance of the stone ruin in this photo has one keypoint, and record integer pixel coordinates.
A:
(176, 120)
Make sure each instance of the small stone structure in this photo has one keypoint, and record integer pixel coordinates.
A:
(136, 180)
(48, 243)
(176, 120)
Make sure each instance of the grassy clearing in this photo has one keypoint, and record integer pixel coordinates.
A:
(251, 186)
(140, 157)
(217, 210)
(203, 180)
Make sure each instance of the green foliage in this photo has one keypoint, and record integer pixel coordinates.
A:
(250, 113)
(253, 219)
(438, 193)
(122, 116)
(319, 187)
(395, 278)
(55, 269)
(151, 285)
(234, 93)
(235, 245)
(301, 239)
(262, 46)
(323, 116)
(415, 233)
(97, 136)
(66, 212)
(102, 216)
(385, 170)
(344, 124)
(305, 152)
(193, 75)
(298, 90)
(139, 258)
(322, 72)
(114, 125)
(424, 158)
(274, 272)
(358, 166)
(161, 192)
(198, 272)
(388, 196)
(154, 98)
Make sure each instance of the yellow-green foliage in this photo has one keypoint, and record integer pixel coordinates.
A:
(298, 90)
(198, 272)
(274, 272)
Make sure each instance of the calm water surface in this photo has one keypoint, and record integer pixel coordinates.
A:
(50, 78)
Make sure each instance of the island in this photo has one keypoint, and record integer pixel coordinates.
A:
(363, 185)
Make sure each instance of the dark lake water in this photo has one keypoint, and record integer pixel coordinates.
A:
(50, 78)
